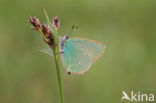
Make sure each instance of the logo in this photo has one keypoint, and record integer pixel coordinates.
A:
(137, 96)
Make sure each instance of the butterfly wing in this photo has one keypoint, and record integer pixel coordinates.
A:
(79, 54)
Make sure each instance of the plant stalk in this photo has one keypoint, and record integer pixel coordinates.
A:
(59, 78)
(56, 57)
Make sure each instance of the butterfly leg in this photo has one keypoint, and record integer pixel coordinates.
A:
(60, 52)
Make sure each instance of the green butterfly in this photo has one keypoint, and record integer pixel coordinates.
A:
(78, 54)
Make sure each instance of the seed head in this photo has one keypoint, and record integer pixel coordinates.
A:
(48, 38)
(35, 22)
(46, 31)
(56, 22)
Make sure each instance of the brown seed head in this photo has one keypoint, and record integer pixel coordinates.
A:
(48, 35)
(35, 22)
(56, 22)
(46, 31)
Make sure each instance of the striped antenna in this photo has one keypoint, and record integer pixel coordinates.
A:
(74, 27)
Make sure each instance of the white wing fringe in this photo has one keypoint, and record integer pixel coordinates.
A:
(47, 50)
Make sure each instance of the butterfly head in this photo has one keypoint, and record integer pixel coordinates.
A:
(62, 41)
(65, 38)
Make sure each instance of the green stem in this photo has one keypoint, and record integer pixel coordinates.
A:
(56, 57)
(59, 77)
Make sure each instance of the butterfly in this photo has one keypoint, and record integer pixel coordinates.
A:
(78, 54)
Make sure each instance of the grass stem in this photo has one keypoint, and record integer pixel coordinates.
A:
(56, 55)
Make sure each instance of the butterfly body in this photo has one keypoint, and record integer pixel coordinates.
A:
(78, 54)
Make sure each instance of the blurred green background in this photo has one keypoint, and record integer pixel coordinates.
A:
(126, 27)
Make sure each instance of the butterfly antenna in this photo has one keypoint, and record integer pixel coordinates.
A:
(74, 27)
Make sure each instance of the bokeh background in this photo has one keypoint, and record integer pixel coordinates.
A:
(126, 27)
